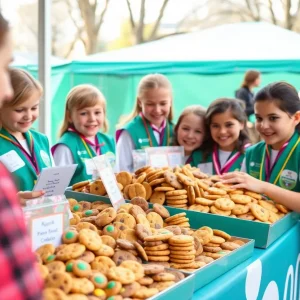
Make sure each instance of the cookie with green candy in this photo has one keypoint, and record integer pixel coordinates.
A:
(81, 268)
(111, 230)
(113, 288)
(76, 208)
(99, 280)
(70, 236)
(90, 212)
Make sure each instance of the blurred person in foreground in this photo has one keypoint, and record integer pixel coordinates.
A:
(19, 278)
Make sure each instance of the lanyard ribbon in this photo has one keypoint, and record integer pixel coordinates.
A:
(269, 168)
(30, 157)
(85, 141)
(161, 132)
(229, 163)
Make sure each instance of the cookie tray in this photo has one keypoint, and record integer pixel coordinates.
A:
(212, 271)
(182, 290)
(206, 274)
(264, 234)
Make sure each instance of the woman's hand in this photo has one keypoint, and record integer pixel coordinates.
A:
(28, 195)
(244, 181)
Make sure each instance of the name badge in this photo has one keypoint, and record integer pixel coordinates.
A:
(12, 161)
(90, 166)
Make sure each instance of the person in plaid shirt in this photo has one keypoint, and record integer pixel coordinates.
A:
(19, 278)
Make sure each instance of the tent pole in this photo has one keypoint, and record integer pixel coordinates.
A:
(44, 64)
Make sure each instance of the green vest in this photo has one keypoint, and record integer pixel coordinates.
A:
(138, 133)
(195, 159)
(288, 177)
(73, 141)
(23, 171)
(207, 164)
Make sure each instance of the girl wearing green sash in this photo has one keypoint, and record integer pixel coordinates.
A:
(80, 139)
(227, 137)
(150, 123)
(23, 151)
(189, 132)
(276, 160)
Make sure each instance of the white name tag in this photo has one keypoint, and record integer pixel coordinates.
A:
(206, 168)
(12, 161)
(90, 167)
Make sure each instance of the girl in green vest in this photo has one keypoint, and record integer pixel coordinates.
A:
(277, 158)
(23, 151)
(80, 139)
(227, 137)
(189, 132)
(150, 123)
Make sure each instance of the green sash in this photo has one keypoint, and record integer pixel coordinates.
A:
(25, 175)
(236, 166)
(285, 172)
(80, 154)
(139, 130)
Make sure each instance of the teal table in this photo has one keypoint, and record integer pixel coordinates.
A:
(270, 274)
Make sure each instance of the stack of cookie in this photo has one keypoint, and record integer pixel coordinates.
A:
(178, 198)
(156, 245)
(182, 250)
(179, 220)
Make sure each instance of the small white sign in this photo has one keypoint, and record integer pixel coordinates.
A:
(47, 230)
(55, 180)
(12, 161)
(90, 167)
(159, 157)
(109, 180)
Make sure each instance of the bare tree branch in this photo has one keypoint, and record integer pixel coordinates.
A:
(130, 15)
(158, 20)
(272, 12)
(99, 24)
(288, 16)
(141, 24)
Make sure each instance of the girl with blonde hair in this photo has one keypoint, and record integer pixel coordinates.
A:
(23, 151)
(80, 136)
(150, 123)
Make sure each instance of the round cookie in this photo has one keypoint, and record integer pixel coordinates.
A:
(59, 280)
(148, 190)
(81, 268)
(136, 190)
(135, 267)
(90, 239)
(82, 286)
(99, 280)
(124, 178)
(259, 212)
(123, 275)
(121, 256)
(112, 231)
(106, 217)
(224, 204)
(70, 236)
(97, 188)
(158, 197)
(155, 220)
(140, 201)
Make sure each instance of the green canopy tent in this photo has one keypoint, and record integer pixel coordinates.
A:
(202, 66)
